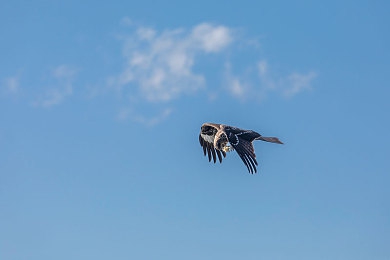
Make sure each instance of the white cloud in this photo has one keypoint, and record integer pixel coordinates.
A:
(64, 72)
(145, 33)
(159, 65)
(55, 96)
(61, 87)
(128, 113)
(288, 85)
(299, 82)
(126, 21)
(266, 81)
(235, 84)
(211, 38)
(263, 68)
(11, 85)
(237, 88)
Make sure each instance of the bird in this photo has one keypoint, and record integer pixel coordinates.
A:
(218, 139)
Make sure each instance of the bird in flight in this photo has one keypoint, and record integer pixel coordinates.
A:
(218, 139)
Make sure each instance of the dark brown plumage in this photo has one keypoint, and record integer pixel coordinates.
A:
(215, 140)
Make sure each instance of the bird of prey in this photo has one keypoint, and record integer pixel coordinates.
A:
(217, 139)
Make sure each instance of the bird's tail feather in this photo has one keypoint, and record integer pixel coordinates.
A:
(269, 139)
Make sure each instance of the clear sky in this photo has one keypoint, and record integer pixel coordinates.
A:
(101, 105)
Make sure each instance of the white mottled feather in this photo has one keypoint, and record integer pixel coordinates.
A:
(208, 138)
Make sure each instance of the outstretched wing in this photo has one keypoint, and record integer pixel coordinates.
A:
(207, 142)
(208, 147)
(248, 135)
(243, 147)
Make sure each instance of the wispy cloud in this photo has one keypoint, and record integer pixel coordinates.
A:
(11, 85)
(159, 65)
(262, 80)
(299, 82)
(289, 85)
(60, 88)
(126, 21)
(235, 84)
(129, 113)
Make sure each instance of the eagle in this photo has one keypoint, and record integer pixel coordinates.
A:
(218, 139)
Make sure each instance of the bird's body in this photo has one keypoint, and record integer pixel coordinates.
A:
(217, 139)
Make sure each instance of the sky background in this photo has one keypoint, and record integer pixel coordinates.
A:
(101, 105)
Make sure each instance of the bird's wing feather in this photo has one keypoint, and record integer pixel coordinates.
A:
(249, 135)
(244, 149)
(207, 143)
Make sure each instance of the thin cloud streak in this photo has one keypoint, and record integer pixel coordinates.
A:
(289, 85)
(235, 84)
(128, 113)
(62, 88)
(266, 81)
(299, 82)
(11, 85)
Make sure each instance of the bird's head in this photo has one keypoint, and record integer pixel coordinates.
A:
(208, 130)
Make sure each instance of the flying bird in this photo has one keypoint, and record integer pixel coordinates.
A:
(218, 139)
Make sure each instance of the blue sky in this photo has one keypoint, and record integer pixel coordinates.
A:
(101, 106)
